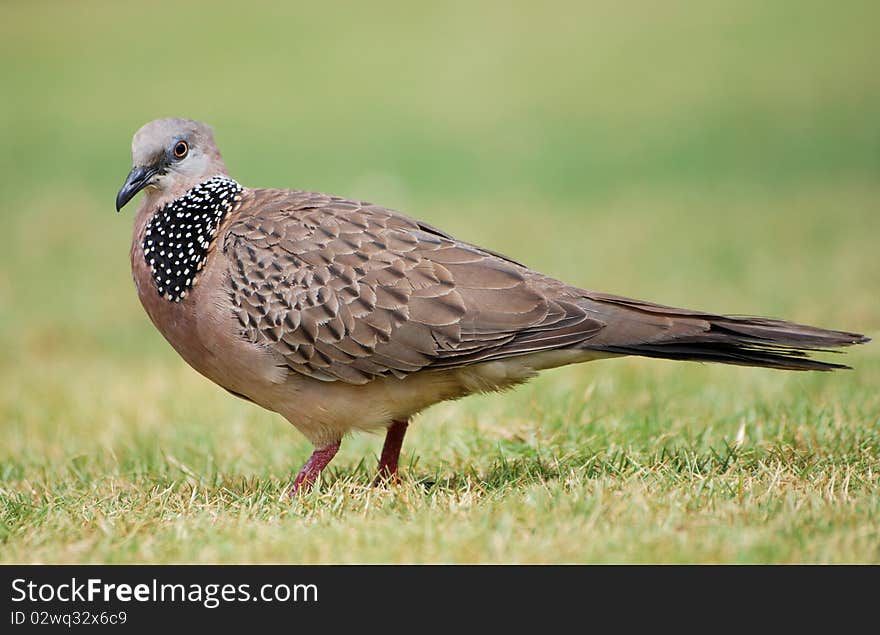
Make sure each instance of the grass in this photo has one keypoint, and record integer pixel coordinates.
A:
(721, 156)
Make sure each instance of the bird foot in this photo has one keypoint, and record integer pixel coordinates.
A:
(391, 454)
(312, 469)
(386, 477)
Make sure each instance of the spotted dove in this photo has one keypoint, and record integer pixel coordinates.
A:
(341, 315)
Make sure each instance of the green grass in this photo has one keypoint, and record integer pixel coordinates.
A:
(717, 155)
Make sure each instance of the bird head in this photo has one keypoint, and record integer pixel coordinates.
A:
(170, 156)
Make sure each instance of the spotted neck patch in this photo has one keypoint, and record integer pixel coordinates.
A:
(178, 236)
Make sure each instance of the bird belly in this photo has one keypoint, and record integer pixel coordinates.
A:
(326, 411)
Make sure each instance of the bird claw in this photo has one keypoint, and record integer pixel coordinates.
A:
(386, 477)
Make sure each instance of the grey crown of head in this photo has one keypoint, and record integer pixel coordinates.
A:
(171, 155)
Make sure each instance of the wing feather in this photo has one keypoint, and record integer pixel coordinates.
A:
(347, 291)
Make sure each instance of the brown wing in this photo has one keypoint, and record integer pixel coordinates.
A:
(344, 290)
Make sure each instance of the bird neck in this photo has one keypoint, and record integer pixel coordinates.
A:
(179, 234)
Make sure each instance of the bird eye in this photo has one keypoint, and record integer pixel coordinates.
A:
(180, 149)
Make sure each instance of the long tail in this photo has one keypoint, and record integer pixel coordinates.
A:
(653, 330)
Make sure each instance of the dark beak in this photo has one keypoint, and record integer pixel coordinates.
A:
(136, 181)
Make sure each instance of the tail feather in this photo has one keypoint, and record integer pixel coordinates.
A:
(682, 334)
(724, 353)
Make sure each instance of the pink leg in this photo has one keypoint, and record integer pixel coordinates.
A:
(309, 474)
(391, 451)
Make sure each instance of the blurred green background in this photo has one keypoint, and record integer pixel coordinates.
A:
(705, 153)
(715, 155)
